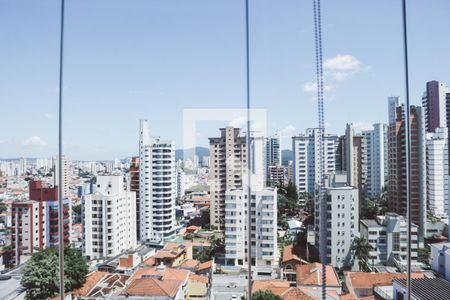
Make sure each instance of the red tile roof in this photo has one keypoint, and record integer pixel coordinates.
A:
(153, 287)
(91, 280)
(295, 293)
(366, 280)
(289, 254)
(276, 286)
(311, 274)
(205, 265)
(200, 278)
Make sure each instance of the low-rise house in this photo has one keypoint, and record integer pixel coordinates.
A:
(309, 277)
(198, 287)
(205, 268)
(422, 289)
(189, 264)
(168, 283)
(101, 285)
(281, 288)
(192, 229)
(291, 259)
(363, 284)
(128, 261)
(173, 254)
(154, 288)
(440, 259)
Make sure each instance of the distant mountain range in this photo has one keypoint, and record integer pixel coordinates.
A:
(189, 153)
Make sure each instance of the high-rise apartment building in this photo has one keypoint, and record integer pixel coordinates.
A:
(134, 187)
(65, 174)
(264, 247)
(28, 233)
(180, 182)
(35, 221)
(342, 220)
(376, 159)
(277, 175)
(437, 172)
(109, 218)
(397, 167)
(157, 187)
(306, 166)
(350, 158)
(273, 151)
(48, 197)
(434, 102)
(228, 155)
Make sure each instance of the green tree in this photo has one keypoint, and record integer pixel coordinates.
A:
(361, 248)
(423, 255)
(372, 210)
(3, 207)
(77, 209)
(40, 275)
(287, 206)
(265, 295)
(291, 191)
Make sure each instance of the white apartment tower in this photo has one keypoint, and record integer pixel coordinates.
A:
(65, 174)
(157, 187)
(437, 172)
(342, 220)
(264, 247)
(109, 218)
(305, 161)
(376, 159)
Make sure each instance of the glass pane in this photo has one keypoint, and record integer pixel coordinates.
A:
(173, 184)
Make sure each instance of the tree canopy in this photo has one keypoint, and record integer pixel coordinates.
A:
(40, 275)
(265, 295)
(361, 248)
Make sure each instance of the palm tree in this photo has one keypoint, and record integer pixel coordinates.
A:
(361, 248)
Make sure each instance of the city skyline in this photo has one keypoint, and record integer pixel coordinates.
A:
(136, 71)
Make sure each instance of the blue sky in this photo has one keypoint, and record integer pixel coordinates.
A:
(132, 59)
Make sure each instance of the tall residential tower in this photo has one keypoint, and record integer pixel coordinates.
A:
(157, 187)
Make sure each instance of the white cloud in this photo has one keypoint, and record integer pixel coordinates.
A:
(337, 69)
(239, 122)
(311, 86)
(342, 63)
(287, 131)
(361, 126)
(34, 141)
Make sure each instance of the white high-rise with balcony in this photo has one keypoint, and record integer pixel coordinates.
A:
(437, 172)
(376, 159)
(342, 219)
(157, 187)
(305, 148)
(109, 218)
(264, 246)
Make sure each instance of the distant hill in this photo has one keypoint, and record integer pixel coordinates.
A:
(286, 155)
(199, 151)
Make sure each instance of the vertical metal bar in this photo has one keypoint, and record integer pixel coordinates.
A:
(60, 191)
(248, 142)
(321, 120)
(408, 152)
